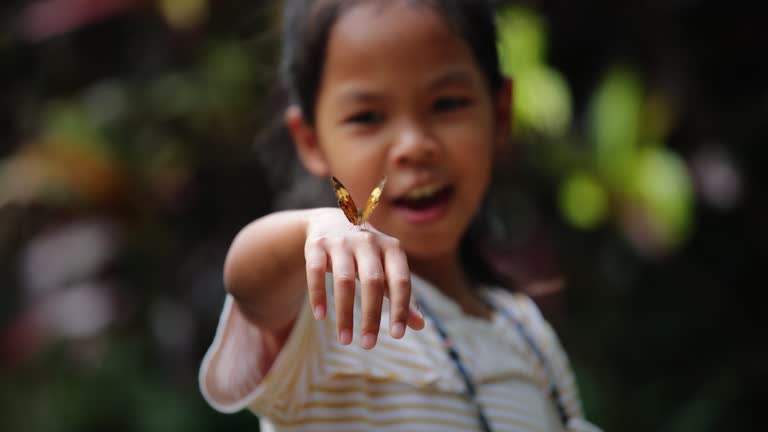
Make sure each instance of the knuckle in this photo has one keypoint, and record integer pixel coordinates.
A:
(375, 279)
(344, 278)
(317, 294)
(371, 320)
(401, 282)
(315, 266)
(340, 242)
(399, 314)
(392, 242)
(315, 263)
(318, 241)
(368, 237)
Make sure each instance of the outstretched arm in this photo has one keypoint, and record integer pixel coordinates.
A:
(264, 269)
(278, 258)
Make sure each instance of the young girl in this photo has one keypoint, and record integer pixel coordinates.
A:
(313, 333)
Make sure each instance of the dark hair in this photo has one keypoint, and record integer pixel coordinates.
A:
(307, 25)
(306, 28)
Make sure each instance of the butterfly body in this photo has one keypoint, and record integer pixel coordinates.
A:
(356, 216)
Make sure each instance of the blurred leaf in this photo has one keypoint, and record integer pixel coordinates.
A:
(658, 117)
(542, 101)
(226, 74)
(61, 173)
(67, 123)
(661, 184)
(173, 95)
(227, 65)
(615, 116)
(583, 200)
(184, 14)
(105, 103)
(521, 39)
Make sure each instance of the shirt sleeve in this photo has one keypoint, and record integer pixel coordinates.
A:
(231, 376)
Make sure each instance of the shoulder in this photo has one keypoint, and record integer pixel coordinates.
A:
(521, 305)
(547, 342)
(524, 309)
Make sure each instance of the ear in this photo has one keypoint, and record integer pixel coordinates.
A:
(305, 140)
(503, 108)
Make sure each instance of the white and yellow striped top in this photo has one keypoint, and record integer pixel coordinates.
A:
(410, 384)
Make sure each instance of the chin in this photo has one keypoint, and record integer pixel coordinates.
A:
(426, 248)
(428, 241)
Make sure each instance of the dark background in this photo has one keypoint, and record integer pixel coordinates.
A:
(629, 203)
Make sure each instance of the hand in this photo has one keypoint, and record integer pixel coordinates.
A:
(334, 245)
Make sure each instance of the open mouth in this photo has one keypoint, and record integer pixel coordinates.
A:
(426, 203)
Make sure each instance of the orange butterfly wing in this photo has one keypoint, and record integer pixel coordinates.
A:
(346, 203)
(373, 201)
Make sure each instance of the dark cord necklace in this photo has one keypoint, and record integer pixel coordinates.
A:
(470, 390)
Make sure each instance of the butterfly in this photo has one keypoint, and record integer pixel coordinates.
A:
(356, 216)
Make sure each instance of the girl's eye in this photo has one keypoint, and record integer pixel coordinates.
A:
(366, 117)
(449, 103)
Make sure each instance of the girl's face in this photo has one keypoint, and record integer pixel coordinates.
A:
(402, 96)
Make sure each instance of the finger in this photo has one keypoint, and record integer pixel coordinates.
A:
(316, 259)
(415, 317)
(371, 275)
(399, 288)
(344, 292)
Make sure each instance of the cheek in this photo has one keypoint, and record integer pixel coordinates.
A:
(475, 163)
(353, 162)
(473, 153)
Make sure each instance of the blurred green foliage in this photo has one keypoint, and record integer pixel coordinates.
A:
(129, 129)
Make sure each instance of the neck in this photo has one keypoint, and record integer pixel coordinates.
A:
(447, 273)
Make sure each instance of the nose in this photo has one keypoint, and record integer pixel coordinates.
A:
(414, 145)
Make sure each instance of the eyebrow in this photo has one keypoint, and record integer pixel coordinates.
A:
(453, 77)
(356, 95)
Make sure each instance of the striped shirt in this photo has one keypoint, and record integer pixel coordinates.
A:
(316, 384)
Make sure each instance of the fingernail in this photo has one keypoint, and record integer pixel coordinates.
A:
(345, 337)
(319, 312)
(397, 331)
(369, 340)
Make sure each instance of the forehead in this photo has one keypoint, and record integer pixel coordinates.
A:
(407, 38)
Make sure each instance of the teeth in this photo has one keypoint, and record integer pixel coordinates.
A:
(423, 191)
